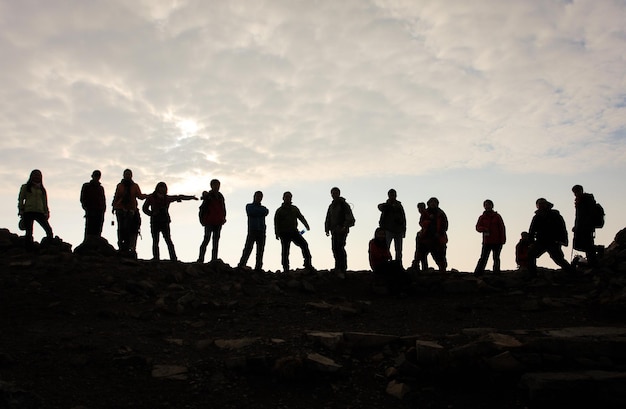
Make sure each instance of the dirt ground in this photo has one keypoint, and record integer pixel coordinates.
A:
(101, 332)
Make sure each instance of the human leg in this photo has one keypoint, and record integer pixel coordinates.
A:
(260, 249)
(216, 241)
(338, 241)
(28, 219)
(167, 236)
(299, 241)
(556, 254)
(482, 261)
(247, 250)
(285, 243)
(397, 242)
(534, 252)
(204, 244)
(496, 250)
(42, 220)
(439, 255)
(155, 231)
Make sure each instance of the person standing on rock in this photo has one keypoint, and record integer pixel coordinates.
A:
(584, 224)
(339, 219)
(547, 234)
(256, 232)
(212, 217)
(393, 220)
(491, 225)
(286, 230)
(435, 237)
(421, 246)
(32, 205)
(157, 207)
(93, 201)
(127, 213)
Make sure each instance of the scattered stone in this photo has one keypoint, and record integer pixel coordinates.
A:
(397, 389)
(330, 340)
(170, 372)
(321, 363)
(368, 340)
(504, 362)
(428, 352)
(235, 343)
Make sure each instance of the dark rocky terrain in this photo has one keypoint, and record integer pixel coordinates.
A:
(86, 329)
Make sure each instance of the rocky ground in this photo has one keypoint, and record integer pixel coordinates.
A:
(86, 329)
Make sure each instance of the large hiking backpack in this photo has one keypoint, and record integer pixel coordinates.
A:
(598, 216)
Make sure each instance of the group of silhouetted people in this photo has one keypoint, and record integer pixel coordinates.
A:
(547, 232)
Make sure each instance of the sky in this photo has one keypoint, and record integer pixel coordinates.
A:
(463, 101)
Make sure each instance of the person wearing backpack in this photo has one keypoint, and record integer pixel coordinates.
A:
(585, 223)
(127, 213)
(339, 219)
(212, 217)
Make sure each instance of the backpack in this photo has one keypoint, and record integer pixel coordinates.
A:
(203, 212)
(598, 216)
(349, 216)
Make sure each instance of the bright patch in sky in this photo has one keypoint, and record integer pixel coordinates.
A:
(188, 128)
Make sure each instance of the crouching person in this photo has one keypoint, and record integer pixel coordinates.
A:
(386, 271)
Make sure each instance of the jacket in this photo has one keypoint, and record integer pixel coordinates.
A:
(127, 200)
(213, 209)
(436, 227)
(92, 197)
(491, 225)
(378, 254)
(286, 219)
(339, 216)
(585, 213)
(33, 200)
(392, 217)
(548, 227)
(256, 216)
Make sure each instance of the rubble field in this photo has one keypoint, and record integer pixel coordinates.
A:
(87, 329)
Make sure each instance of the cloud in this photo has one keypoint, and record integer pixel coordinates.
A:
(310, 90)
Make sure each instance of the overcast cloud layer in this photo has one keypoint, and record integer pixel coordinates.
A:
(259, 90)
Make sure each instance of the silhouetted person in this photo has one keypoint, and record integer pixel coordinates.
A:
(212, 217)
(393, 220)
(32, 205)
(286, 230)
(421, 247)
(127, 213)
(436, 236)
(491, 225)
(547, 233)
(584, 224)
(157, 206)
(93, 202)
(339, 219)
(384, 268)
(256, 231)
(521, 250)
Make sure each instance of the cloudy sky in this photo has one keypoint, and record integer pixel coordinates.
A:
(464, 101)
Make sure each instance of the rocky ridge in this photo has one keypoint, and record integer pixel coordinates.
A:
(88, 329)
